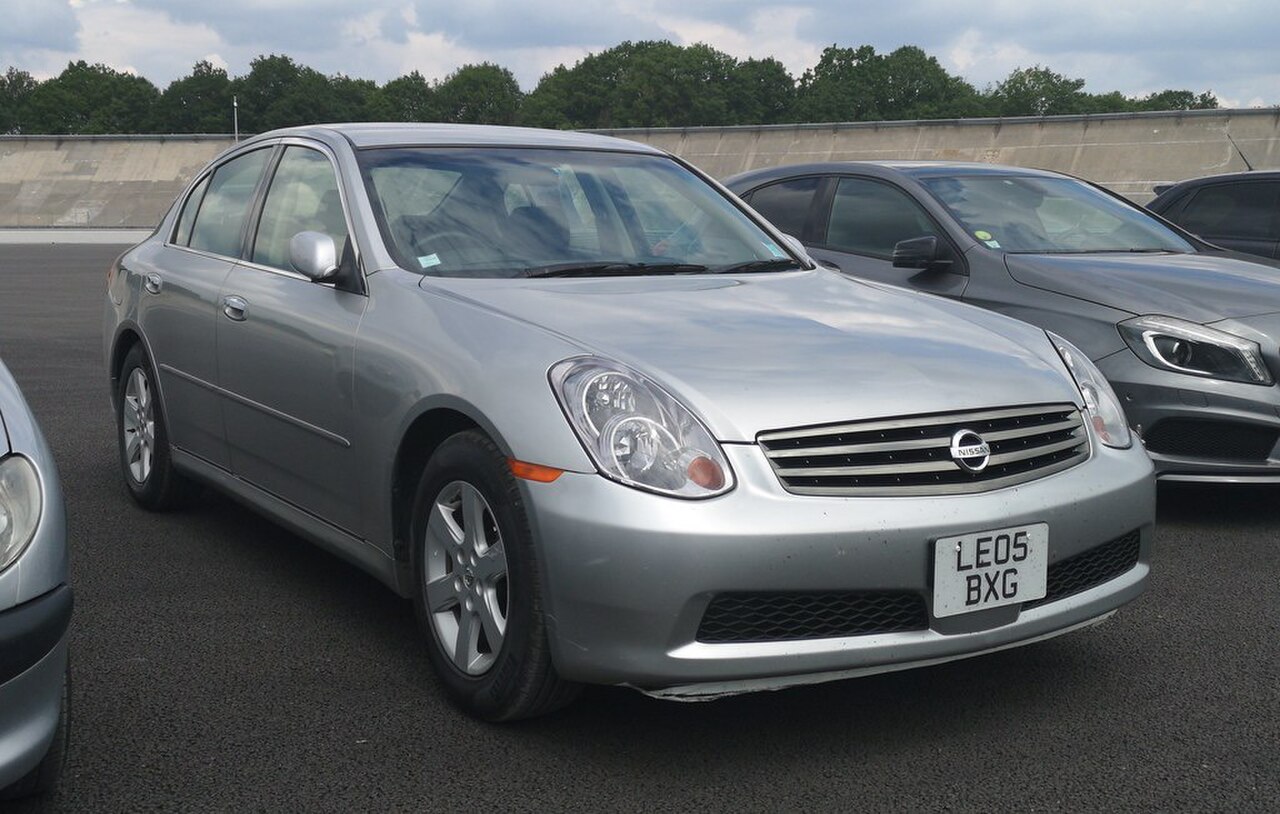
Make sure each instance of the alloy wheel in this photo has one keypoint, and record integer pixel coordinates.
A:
(465, 589)
(138, 425)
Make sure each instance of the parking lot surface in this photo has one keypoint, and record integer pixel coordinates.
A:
(220, 663)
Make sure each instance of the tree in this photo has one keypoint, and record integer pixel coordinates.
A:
(277, 92)
(910, 84)
(653, 84)
(479, 94)
(15, 88)
(839, 87)
(760, 91)
(1038, 91)
(198, 103)
(259, 93)
(1178, 100)
(90, 100)
(410, 98)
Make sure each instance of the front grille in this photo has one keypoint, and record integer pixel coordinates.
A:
(1090, 568)
(1220, 440)
(911, 456)
(774, 617)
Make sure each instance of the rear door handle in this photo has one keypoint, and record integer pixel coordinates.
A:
(235, 308)
(152, 283)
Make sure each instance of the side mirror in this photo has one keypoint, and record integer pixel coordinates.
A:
(314, 254)
(918, 253)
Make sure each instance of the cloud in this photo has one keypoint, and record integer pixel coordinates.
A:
(771, 31)
(1137, 46)
(141, 41)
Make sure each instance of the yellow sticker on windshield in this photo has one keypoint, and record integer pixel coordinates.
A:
(982, 234)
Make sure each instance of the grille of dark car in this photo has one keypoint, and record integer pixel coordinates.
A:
(911, 456)
(1222, 440)
(1091, 568)
(774, 617)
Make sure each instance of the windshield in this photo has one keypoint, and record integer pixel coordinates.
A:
(489, 212)
(1016, 213)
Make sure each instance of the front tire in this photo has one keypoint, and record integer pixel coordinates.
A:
(143, 436)
(479, 593)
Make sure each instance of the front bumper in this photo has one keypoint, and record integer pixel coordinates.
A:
(33, 664)
(629, 575)
(1218, 424)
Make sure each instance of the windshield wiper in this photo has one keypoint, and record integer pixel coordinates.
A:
(774, 264)
(612, 268)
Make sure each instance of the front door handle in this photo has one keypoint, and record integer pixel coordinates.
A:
(235, 308)
(152, 283)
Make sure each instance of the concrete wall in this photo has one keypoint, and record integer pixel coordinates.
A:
(129, 181)
(97, 181)
(1126, 152)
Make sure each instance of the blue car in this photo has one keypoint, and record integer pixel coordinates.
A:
(35, 604)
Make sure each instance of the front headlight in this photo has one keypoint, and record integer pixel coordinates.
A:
(636, 432)
(19, 507)
(1100, 402)
(1185, 347)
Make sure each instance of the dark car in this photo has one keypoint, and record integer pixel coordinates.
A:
(1239, 210)
(1187, 334)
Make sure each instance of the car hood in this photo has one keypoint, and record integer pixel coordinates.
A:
(1199, 287)
(763, 352)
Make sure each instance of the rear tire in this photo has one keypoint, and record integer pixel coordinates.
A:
(143, 438)
(479, 590)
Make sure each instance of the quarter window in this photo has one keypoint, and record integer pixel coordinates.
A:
(868, 217)
(303, 197)
(219, 225)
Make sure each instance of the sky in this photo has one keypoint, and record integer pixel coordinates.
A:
(1134, 46)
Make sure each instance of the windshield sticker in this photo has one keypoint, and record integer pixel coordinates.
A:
(992, 244)
(774, 250)
(429, 260)
(982, 234)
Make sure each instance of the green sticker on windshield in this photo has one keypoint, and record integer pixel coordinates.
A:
(774, 250)
(982, 234)
(429, 261)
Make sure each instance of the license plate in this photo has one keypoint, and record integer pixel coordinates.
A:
(988, 569)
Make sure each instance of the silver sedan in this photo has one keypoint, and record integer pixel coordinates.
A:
(603, 424)
(35, 604)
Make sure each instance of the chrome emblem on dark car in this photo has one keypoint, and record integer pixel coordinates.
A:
(969, 451)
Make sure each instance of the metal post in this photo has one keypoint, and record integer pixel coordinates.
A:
(235, 116)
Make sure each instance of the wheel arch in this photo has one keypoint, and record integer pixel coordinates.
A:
(433, 423)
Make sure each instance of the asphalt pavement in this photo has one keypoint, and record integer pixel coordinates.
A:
(223, 664)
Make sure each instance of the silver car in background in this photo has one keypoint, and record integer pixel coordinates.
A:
(35, 604)
(605, 425)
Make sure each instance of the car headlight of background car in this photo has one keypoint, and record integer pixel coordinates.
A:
(636, 432)
(19, 507)
(1185, 347)
(1100, 401)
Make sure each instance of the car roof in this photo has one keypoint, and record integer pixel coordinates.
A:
(1164, 192)
(387, 134)
(884, 169)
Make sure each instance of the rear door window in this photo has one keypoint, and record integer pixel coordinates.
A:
(219, 224)
(1245, 210)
